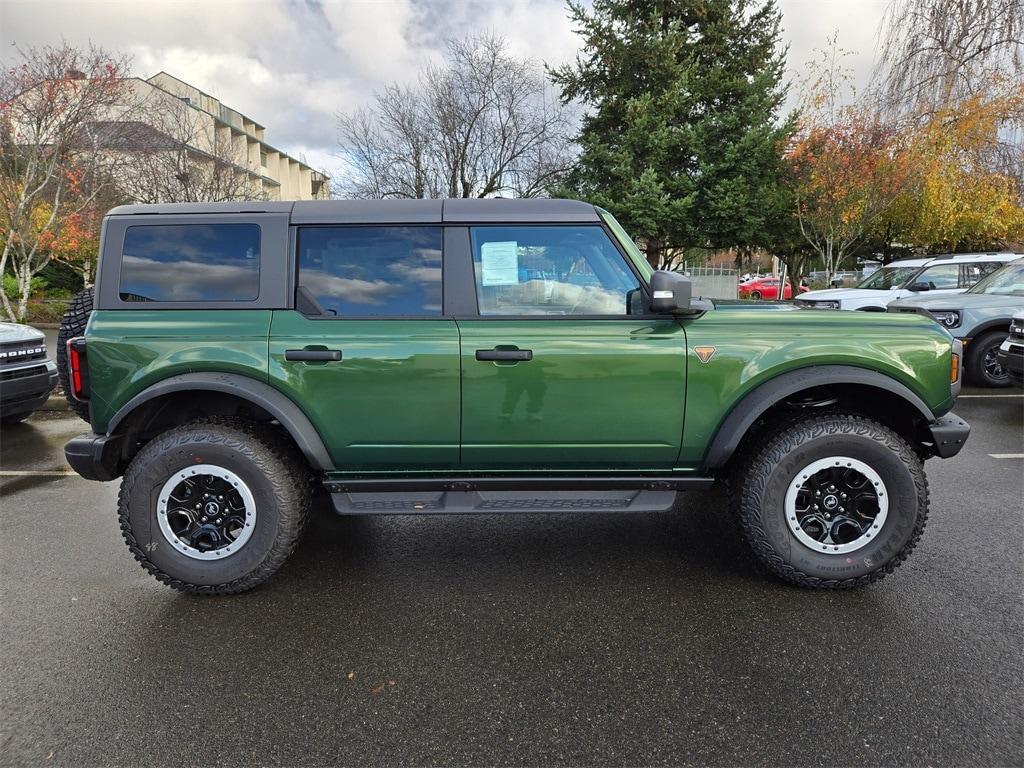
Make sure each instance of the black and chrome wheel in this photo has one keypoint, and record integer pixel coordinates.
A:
(836, 504)
(214, 507)
(205, 511)
(983, 364)
(830, 501)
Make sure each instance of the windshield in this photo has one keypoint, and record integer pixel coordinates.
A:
(887, 277)
(1008, 281)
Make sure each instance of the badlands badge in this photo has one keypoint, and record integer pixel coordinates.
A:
(704, 353)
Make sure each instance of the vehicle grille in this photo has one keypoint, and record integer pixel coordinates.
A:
(20, 352)
(21, 373)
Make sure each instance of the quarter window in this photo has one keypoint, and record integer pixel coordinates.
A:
(191, 263)
(372, 271)
(551, 270)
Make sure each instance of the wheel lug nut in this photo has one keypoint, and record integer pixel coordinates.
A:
(218, 521)
(204, 519)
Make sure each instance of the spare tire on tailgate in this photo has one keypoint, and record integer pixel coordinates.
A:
(71, 325)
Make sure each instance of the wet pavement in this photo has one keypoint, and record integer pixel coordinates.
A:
(520, 640)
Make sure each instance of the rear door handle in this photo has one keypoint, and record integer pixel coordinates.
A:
(504, 354)
(311, 355)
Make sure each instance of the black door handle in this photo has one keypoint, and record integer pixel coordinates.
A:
(504, 354)
(311, 355)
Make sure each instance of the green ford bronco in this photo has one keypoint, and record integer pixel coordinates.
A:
(425, 356)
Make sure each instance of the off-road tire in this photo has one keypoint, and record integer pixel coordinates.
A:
(976, 352)
(71, 325)
(760, 477)
(279, 479)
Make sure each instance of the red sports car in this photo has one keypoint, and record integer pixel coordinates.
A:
(765, 288)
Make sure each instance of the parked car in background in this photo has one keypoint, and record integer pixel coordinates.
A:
(765, 288)
(1011, 351)
(26, 377)
(949, 273)
(980, 318)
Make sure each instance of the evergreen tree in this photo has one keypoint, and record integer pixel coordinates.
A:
(681, 140)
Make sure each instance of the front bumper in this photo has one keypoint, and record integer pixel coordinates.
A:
(948, 435)
(27, 387)
(1011, 357)
(95, 457)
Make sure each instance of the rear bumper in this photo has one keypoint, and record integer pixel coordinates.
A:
(948, 435)
(95, 457)
(30, 391)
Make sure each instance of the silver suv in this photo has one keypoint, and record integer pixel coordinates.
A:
(980, 318)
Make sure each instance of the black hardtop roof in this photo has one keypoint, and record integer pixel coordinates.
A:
(455, 211)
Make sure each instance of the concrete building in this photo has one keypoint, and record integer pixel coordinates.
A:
(168, 115)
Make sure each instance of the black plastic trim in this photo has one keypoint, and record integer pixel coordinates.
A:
(274, 402)
(750, 408)
(948, 433)
(518, 483)
(95, 457)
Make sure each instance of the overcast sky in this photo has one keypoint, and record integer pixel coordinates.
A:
(292, 65)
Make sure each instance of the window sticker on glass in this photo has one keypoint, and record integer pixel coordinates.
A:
(500, 263)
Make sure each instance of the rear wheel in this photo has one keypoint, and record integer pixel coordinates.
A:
(214, 507)
(755, 295)
(831, 501)
(71, 325)
(983, 364)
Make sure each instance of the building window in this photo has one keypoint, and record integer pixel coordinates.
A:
(372, 271)
(191, 262)
(263, 159)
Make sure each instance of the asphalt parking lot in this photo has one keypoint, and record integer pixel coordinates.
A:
(523, 640)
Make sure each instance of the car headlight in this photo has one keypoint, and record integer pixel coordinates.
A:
(948, 318)
(827, 304)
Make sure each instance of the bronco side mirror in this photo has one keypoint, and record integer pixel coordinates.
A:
(670, 292)
(918, 287)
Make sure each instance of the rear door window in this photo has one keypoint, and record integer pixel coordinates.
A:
(372, 271)
(943, 276)
(190, 262)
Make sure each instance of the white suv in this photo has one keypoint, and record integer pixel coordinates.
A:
(949, 273)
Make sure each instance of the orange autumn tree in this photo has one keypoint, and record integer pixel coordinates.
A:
(847, 168)
(53, 104)
(963, 192)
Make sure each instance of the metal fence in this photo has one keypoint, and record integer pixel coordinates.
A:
(712, 282)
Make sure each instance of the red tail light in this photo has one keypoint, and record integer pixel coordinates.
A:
(78, 372)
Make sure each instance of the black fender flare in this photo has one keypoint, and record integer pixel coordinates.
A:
(273, 401)
(998, 324)
(754, 404)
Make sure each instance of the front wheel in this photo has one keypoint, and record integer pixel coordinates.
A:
(983, 364)
(830, 502)
(214, 507)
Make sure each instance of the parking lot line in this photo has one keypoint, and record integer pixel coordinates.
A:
(1007, 455)
(36, 472)
(961, 397)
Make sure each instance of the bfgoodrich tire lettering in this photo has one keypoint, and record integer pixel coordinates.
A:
(760, 480)
(266, 463)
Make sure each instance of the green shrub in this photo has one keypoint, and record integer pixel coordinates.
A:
(46, 311)
(11, 287)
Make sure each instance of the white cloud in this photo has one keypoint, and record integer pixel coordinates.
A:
(292, 65)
